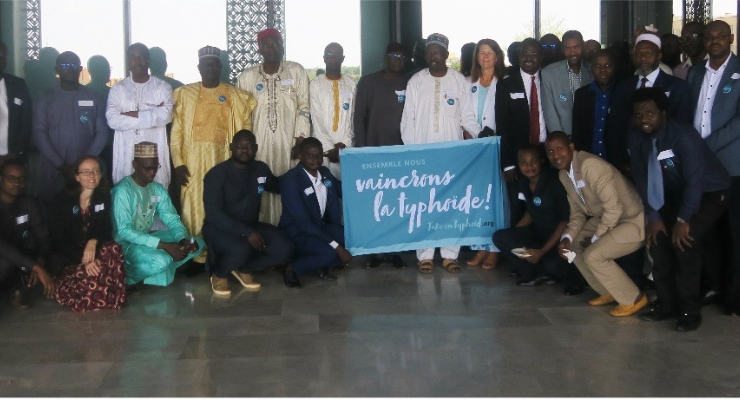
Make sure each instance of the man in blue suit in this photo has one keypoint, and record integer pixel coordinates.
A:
(715, 92)
(311, 215)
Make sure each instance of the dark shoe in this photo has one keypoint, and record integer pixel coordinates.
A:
(732, 310)
(688, 322)
(574, 290)
(648, 285)
(324, 275)
(709, 298)
(658, 312)
(18, 301)
(515, 275)
(540, 280)
(373, 263)
(398, 262)
(193, 269)
(291, 279)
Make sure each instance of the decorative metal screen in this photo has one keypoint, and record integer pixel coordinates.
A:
(33, 28)
(697, 10)
(244, 19)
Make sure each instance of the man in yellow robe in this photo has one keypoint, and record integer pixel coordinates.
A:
(282, 119)
(207, 115)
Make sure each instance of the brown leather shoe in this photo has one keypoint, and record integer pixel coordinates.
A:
(624, 311)
(602, 300)
(247, 280)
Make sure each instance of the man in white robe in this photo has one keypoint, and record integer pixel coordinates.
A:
(332, 107)
(281, 118)
(139, 109)
(438, 109)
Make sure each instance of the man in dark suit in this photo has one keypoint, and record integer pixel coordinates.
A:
(646, 59)
(715, 91)
(684, 189)
(15, 112)
(311, 215)
(520, 119)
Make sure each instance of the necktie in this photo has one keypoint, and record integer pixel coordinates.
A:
(655, 179)
(534, 115)
(644, 82)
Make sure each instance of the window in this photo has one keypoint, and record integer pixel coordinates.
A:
(180, 28)
(86, 27)
(464, 21)
(311, 25)
(726, 10)
(559, 16)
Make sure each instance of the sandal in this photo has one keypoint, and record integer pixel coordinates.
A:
(491, 262)
(451, 266)
(425, 266)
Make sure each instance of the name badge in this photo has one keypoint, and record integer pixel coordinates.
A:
(262, 179)
(21, 220)
(18, 101)
(521, 196)
(735, 76)
(515, 96)
(85, 103)
(308, 191)
(580, 184)
(286, 82)
(99, 207)
(667, 94)
(665, 154)
(156, 199)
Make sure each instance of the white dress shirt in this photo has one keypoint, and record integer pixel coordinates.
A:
(651, 78)
(527, 78)
(703, 116)
(4, 149)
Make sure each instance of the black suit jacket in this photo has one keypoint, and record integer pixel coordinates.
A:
(679, 109)
(19, 113)
(584, 102)
(66, 223)
(512, 117)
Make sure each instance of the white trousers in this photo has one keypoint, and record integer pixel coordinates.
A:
(446, 252)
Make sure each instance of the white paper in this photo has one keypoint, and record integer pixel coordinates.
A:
(517, 96)
(18, 101)
(665, 154)
(521, 196)
(99, 207)
(22, 219)
(85, 103)
(262, 179)
(308, 191)
(735, 76)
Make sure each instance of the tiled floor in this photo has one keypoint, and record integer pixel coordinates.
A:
(384, 332)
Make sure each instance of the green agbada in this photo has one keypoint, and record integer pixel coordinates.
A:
(134, 212)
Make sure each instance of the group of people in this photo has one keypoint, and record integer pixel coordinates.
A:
(596, 168)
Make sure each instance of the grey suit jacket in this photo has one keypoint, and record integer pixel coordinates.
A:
(557, 98)
(725, 137)
(605, 194)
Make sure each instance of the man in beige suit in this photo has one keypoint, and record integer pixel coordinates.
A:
(606, 222)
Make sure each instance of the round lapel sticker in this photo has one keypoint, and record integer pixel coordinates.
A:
(537, 201)
(474, 89)
(401, 98)
(451, 102)
(221, 99)
(727, 89)
(84, 118)
(669, 162)
(259, 87)
(345, 106)
(563, 97)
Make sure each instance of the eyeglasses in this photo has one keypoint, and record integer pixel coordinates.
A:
(15, 179)
(396, 57)
(549, 45)
(66, 66)
(90, 172)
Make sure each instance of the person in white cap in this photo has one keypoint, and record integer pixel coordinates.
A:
(438, 109)
(646, 59)
(207, 115)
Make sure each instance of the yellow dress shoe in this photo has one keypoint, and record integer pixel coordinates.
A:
(601, 300)
(623, 311)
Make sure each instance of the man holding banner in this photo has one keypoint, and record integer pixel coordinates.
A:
(437, 109)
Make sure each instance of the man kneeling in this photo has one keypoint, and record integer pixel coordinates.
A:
(237, 243)
(151, 257)
(311, 215)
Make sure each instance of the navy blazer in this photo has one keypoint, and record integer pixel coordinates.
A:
(679, 108)
(19, 113)
(512, 117)
(583, 126)
(689, 168)
(301, 212)
(725, 137)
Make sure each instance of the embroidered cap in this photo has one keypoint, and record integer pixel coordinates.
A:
(209, 51)
(438, 38)
(145, 150)
(268, 33)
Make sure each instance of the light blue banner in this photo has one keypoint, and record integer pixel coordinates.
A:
(420, 196)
